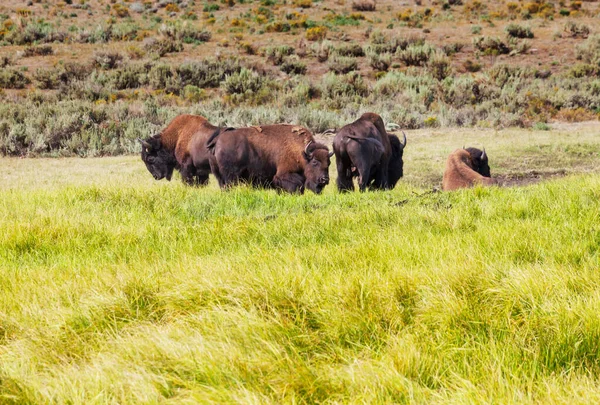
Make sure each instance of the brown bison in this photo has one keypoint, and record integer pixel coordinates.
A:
(181, 145)
(365, 149)
(284, 157)
(466, 168)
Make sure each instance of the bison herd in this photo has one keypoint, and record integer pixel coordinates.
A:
(287, 157)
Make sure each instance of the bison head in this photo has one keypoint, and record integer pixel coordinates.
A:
(316, 168)
(396, 165)
(159, 161)
(479, 160)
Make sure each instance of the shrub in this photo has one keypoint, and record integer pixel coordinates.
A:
(303, 3)
(518, 31)
(364, 5)
(490, 46)
(380, 62)
(476, 30)
(275, 54)
(439, 66)
(293, 65)
(576, 115)
(583, 70)
(316, 33)
(576, 30)
(278, 26)
(341, 87)
(185, 33)
(193, 94)
(247, 86)
(322, 51)
(107, 60)
(6, 60)
(589, 50)
(342, 64)
(130, 77)
(349, 50)
(41, 50)
(471, 66)
(451, 49)
(13, 79)
(163, 46)
(416, 55)
(47, 78)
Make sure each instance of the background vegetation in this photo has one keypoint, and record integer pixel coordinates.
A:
(87, 77)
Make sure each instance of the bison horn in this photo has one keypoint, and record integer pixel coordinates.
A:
(306, 149)
(330, 154)
(144, 143)
(404, 142)
(483, 157)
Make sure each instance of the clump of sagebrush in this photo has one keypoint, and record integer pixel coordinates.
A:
(338, 90)
(247, 86)
(162, 46)
(39, 50)
(381, 62)
(589, 50)
(276, 54)
(576, 30)
(416, 55)
(13, 79)
(107, 59)
(322, 50)
(490, 46)
(184, 32)
(364, 5)
(439, 65)
(293, 65)
(518, 31)
(342, 64)
(353, 49)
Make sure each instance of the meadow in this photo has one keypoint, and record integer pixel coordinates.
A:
(115, 288)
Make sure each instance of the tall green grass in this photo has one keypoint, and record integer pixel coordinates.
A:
(125, 290)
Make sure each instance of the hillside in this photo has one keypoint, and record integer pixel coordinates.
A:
(87, 77)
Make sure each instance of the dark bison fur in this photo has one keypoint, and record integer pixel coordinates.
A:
(284, 157)
(181, 145)
(466, 168)
(365, 149)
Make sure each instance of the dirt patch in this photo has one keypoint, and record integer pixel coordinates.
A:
(527, 178)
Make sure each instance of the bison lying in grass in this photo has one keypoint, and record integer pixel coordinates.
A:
(181, 145)
(284, 157)
(466, 168)
(364, 148)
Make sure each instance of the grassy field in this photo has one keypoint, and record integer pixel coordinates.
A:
(115, 288)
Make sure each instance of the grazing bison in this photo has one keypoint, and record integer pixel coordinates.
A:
(181, 145)
(365, 149)
(466, 168)
(284, 157)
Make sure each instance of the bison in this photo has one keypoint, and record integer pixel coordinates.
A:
(365, 149)
(466, 168)
(284, 157)
(181, 145)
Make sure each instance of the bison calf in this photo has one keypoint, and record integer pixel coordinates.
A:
(466, 168)
(281, 156)
(364, 149)
(181, 145)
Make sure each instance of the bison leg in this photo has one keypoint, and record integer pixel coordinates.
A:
(344, 178)
(201, 178)
(381, 176)
(364, 175)
(290, 182)
(188, 172)
(214, 168)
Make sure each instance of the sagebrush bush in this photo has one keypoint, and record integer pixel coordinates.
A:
(416, 55)
(107, 59)
(293, 65)
(276, 54)
(39, 50)
(490, 46)
(163, 46)
(13, 79)
(589, 50)
(576, 30)
(352, 49)
(364, 5)
(184, 32)
(248, 86)
(439, 65)
(380, 62)
(518, 31)
(342, 64)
